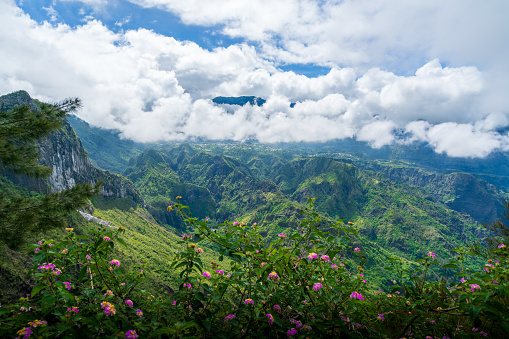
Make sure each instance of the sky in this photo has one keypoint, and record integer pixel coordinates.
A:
(379, 71)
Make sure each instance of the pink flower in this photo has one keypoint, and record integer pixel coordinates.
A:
(273, 276)
(249, 302)
(501, 246)
(381, 317)
(474, 287)
(109, 309)
(277, 308)
(67, 285)
(37, 250)
(235, 223)
(356, 295)
(199, 250)
(106, 238)
(220, 272)
(432, 255)
(325, 258)
(357, 250)
(291, 332)
(312, 256)
(317, 286)
(139, 313)
(206, 274)
(131, 334)
(229, 317)
(282, 235)
(73, 309)
(271, 318)
(89, 257)
(129, 303)
(334, 266)
(64, 251)
(115, 263)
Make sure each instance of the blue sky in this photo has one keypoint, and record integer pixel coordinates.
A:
(378, 71)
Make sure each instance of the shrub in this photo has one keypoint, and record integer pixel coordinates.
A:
(310, 283)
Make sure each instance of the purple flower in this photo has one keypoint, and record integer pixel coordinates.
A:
(501, 246)
(291, 332)
(115, 263)
(229, 317)
(106, 238)
(357, 250)
(220, 272)
(325, 258)
(271, 318)
(356, 295)
(206, 274)
(129, 303)
(277, 308)
(139, 313)
(282, 235)
(131, 334)
(381, 317)
(334, 266)
(317, 286)
(474, 287)
(73, 309)
(273, 276)
(249, 301)
(109, 309)
(312, 256)
(432, 255)
(67, 285)
(37, 250)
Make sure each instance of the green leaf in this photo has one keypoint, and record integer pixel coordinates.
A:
(82, 273)
(37, 289)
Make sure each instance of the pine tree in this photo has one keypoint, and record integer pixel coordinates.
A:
(22, 212)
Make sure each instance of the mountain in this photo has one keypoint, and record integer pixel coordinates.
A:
(241, 101)
(106, 149)
(119, 203)
(270, 187)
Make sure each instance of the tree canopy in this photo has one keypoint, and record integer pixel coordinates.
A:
(22, 212)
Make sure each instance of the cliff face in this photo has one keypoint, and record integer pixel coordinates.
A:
(63, 151)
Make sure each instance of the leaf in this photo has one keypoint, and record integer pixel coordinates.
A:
(37, 289)
(474, 311)
(120, 240)
(82, 273)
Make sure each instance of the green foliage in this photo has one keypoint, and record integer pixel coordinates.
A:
(307, 283)
(20, 128)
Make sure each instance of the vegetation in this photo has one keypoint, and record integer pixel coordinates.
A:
(308, 283)
(20, 128)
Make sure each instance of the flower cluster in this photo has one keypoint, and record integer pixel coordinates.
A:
(432, 255)
(206, 274)
(317, 286)
(312, 256)
(139, 313)
(73, 309)
(229, 317)
(249, 302)
(50, 267)
(129, 303)
(131, 334)
(273, 275)
(109, 309)
(356, 295)
(186, 236)
(271, 318)
(115, 263)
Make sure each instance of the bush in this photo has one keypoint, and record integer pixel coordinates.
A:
(310, 283)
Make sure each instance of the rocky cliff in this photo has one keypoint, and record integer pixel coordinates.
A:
(63, 151)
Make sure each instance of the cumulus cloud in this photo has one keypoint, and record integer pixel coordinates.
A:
(153, 87)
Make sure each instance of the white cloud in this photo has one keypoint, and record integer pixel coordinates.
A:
(152, 87)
